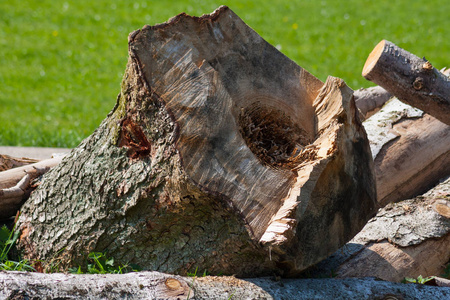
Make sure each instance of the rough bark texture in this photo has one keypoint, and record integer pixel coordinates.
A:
(16, 185)
(154, 285)
(411, 79)
(370, 100)
(411, 151)
(221, 154)
(405, 239)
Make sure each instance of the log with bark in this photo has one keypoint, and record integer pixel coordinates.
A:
(221, 154)
(370, 100)
(405, 239)
(154, 285)
(411, 79)
(411, 151)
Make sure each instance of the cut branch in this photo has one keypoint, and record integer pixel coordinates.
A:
(411, 79)
(15, 185)
(370, 100)
(8, 162)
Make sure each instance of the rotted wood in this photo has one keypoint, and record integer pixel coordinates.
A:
(405, 239)
(221, 154)
(154, 285)
(16, 184)
(411, 151)
(411, 79)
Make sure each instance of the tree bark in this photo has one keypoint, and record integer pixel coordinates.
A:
(405, 239)
(370, 100)
(154, 285)
(411, 79)
(16, 185)
(221, 154)
(411, 151)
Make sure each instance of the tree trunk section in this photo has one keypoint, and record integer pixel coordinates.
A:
(411, 151)
(221, 154)
(411, 79)
(154, 285)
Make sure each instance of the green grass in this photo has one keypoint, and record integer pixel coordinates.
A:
(62, 61)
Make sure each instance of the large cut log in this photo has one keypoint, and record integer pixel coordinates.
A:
(405, 239)
(16, 185)
(221, 154)
(154, 285)
(411, 79)
(411, 151)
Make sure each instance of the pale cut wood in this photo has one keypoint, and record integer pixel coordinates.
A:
(221, 153)
(15, 185)
(370, 100)
(411, 151)
(154, 285)
(411, 79)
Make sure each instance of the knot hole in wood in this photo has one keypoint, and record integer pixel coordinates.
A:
(272, 136)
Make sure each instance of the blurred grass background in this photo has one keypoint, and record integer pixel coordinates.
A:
(62, 61)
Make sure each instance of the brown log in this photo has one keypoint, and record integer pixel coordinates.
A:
(405, 239)
(15, 185)
(8, 162)
(154, 285)
(221, 154)
(411, 79)
(370, 100)
(411, 151)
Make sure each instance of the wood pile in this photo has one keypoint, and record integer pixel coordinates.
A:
(224, 155)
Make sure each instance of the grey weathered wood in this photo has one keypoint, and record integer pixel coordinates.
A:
(370, 100)
(154, 285)
(221, 154)
(411, 79)
(411, 151)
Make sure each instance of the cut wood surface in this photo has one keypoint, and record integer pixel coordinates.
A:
(411, 79)
(154, 285)
(221, 154)
(16, 185)
(411, 151)
(405, 239)
(370, 100)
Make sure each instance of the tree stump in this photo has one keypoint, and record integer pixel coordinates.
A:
(221, 154)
